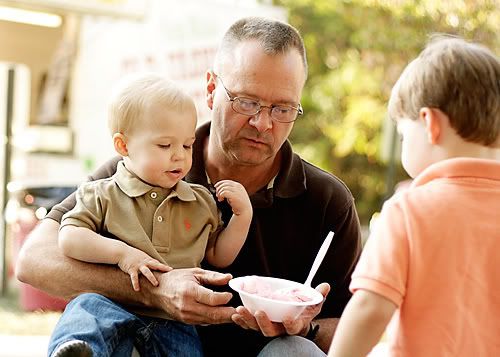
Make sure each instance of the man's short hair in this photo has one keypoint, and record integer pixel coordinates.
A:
(460, 78)
(135, 94)
(276, 37)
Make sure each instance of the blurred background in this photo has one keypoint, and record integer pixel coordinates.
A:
(60, 59)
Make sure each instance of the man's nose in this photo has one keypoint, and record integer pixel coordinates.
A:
(262, 121)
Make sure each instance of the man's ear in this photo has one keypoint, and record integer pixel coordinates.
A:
(432, 119)
(211, 78)
(120, 144)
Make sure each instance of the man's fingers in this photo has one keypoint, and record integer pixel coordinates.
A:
(207, 277)
(238, 320)
(186, 299)
(202, 314)
(267, 327)
(218, 315)
(293, 327)
(247, 318)
(209, 297)
(323, 288)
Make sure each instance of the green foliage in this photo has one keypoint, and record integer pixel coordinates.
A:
(356, 51)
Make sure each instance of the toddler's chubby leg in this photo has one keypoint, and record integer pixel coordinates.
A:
(98, 321)
(169, 338)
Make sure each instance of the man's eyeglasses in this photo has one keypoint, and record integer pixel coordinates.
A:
(248, 106)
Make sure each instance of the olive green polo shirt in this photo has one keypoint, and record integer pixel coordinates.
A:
(171, 225)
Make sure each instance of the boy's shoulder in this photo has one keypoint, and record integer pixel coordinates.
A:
(97, 186)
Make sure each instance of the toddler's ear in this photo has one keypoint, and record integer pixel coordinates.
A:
(211, 79)
(432, 119)
(120, 144)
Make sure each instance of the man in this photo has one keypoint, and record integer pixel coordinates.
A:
(254, 93)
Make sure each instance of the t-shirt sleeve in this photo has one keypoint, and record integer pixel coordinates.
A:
(108, 169)
(88, 211)
(383, 266)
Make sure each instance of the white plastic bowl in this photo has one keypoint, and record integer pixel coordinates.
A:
(276, 310)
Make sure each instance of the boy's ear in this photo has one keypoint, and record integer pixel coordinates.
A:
(120, 144)
(432, 119)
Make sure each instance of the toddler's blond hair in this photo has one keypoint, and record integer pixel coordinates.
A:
(135, 94)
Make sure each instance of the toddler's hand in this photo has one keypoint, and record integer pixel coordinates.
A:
(236, 196)
(135, 261)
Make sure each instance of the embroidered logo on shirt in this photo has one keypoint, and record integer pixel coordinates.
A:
(187, 224)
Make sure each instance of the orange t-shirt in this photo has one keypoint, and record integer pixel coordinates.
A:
(435, 253)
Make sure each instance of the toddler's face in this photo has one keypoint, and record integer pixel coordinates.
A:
(160, 147)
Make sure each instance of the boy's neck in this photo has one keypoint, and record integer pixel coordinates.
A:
(462, 148)
(470, 150)
(450, 144)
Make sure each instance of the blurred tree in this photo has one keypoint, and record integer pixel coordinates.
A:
(356, 51)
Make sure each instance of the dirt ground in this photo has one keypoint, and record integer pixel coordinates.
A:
(17, 321)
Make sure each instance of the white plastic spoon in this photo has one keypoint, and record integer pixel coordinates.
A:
(319, 258)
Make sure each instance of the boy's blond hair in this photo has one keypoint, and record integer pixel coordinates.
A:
(135, 94)
(461, 79)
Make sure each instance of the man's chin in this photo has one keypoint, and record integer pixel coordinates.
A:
(251, 158)
(248, 155)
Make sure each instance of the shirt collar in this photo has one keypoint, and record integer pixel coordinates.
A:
(459, 167)
(269, 185)
(133, 186)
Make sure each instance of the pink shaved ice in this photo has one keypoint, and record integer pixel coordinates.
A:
(254, 285)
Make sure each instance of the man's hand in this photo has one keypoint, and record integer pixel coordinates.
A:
(260, 321)
(182, 295)
(134, 261)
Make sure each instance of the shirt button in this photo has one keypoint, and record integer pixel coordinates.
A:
(153, 195)
(160, 219)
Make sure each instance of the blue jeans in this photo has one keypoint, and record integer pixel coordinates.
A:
(113, 331)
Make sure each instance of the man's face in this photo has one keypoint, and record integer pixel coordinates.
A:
(250, 73)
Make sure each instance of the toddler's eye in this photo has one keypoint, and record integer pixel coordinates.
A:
(163, 146)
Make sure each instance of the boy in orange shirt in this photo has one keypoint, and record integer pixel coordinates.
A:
(431, 263)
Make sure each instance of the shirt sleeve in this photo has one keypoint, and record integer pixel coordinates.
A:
(383, 266)
(106, 170)
(88, 210)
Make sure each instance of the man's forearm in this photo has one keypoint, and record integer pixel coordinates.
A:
(42, 265)
(325, 333)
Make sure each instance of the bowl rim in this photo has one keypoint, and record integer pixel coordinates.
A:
(317, 297)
